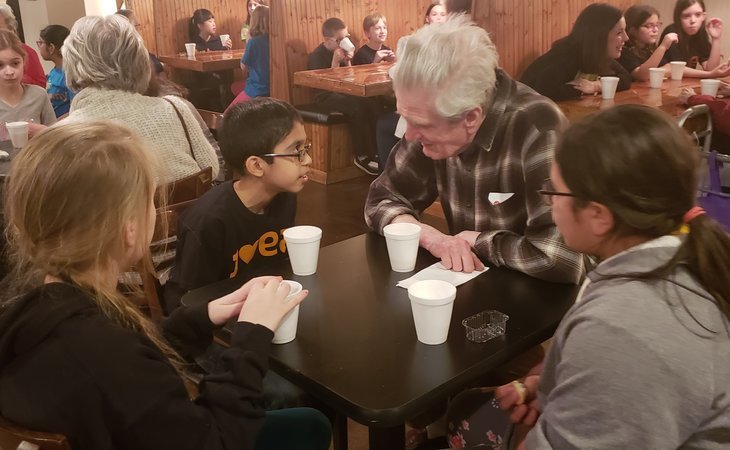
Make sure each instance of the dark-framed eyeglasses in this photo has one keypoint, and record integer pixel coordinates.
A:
(653, 26)
(548, 191)
(301, 153)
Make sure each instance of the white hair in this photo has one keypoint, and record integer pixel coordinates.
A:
(106, 53)
(9, 17)
(455, 60)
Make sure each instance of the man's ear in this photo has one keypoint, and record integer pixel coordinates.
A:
(473, 119)
(600, 218)
(255, 165)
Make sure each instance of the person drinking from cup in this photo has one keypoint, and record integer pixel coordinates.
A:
(642, 358)
(698, 40)
(336, 50)
(642, 53)
(236, 227)
(575, 63)
(21, 102)
(480, 142)
(77, 357)
(202, 30)
(375, 27)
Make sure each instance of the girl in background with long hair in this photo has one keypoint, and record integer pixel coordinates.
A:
(698, 39)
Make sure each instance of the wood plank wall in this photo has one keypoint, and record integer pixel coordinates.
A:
(521, 29)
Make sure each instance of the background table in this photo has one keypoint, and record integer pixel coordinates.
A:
(365, 80)
(356, 347)
(206, 61)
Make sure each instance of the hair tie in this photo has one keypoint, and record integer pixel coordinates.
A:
(693, 213)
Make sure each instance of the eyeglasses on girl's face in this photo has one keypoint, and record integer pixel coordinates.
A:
(548, 191)
(301, 152)
(653, 26)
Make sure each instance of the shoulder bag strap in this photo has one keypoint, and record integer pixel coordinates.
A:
(185, 127)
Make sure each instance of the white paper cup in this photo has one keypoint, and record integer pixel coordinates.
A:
(432, 302)
(677, 69)
(18, 132)
(287, 330)
(347, 45)
(656, 77)
(224, 38)
(190, 49)
(709, 87)
(608, 87)
(302, 244)
(402, 242)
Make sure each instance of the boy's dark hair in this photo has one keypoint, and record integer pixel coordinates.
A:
(332, 26)
(54, 34)
(254, 128)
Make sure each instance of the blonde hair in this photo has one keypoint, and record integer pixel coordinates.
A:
(260, 21)
(371, 20)
(9, 17)
(455, 60)
(69, 197)
(9, 40)
(106, 53)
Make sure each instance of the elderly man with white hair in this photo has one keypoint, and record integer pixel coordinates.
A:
(482, 143)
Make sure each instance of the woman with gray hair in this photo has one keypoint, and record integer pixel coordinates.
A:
(33, 72)
(108, 65)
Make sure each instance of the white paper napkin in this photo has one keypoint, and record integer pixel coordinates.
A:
(437, 271)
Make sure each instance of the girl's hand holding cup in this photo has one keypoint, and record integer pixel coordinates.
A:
(266, 303)
(223, 309)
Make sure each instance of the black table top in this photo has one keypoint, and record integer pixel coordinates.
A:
(5, 165)
(356, 346)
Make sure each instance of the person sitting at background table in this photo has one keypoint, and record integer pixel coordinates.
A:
(255, 60)
(33, 72)
(642, 358)
(108, 66)
(20, 101)
(699, 41)
(361, 113)
(641, 52)
(375, 27)
(435, 13)
(235, 228)
(480, 142)
(719, 114)
(132, 17)
(574, 64)
(202, 31)
(251, 6)
(78, 358)
(49, 44)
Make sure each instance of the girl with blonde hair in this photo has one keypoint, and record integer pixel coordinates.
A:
(78, 358)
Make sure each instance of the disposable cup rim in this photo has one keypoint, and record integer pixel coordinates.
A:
(316, 236)
(18, 124)
(444, 300)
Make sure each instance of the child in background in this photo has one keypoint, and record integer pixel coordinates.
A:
(642, 358)
(235, 228)
(375, 27)
(49, 45)
(699, 40)
(436, 12)
(202, 31)
(33, 72)
(255, 60)
(78, 358)
(641, 52)
(251, 6)
(21, 102)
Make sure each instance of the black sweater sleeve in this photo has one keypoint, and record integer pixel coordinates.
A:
(550, 73)
(624, 77)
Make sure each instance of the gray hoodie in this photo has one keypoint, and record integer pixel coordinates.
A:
(637, 364)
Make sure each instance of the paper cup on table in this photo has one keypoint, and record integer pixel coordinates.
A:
(656, 77)
(302, 244)
(608, 87)
(190, 50)
(432, 302)
(709, 87)
(287, 330)
(18, 132)
(677, 69)
(224, 38)
(347, 45)
(402, 242)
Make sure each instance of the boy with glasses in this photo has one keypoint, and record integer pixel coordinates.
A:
(236, 227)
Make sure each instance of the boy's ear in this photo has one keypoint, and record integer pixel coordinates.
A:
(254, 165)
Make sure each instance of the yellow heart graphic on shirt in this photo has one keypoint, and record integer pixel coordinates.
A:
(247, 251)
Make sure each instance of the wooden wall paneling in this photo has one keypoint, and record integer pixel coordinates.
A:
(144, 11)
